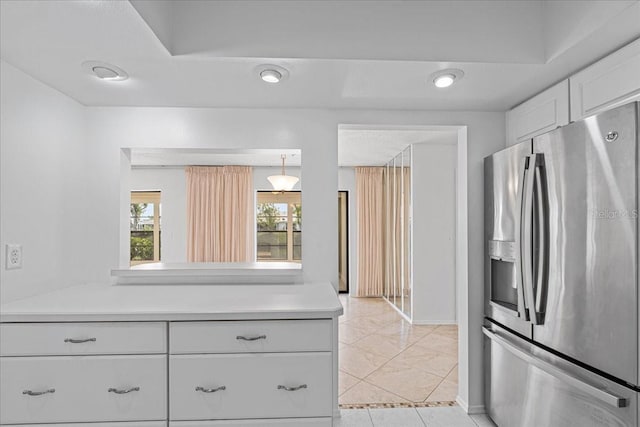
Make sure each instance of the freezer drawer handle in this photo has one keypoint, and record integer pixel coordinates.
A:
(259, 337)
(39, 393)
(284, 387)
(595, 392)
(123, 390)
(79, 341)
(210, 390)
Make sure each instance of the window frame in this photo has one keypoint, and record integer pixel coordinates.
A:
(149, 197)
(288, 197)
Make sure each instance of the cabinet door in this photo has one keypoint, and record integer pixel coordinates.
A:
(610, 82)
(542, 113)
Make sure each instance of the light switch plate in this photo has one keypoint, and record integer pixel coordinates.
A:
(14, 256)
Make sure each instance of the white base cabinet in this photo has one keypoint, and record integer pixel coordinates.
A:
(181, 356)
(215, 373)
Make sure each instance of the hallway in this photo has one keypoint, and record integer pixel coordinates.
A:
(387, 362)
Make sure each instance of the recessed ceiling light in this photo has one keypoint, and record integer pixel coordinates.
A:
(272, 73)
(271, 76)
(105, 71)
(445, 78)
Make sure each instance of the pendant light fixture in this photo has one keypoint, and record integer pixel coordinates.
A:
(283, 182)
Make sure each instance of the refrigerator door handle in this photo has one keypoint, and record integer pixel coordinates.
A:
(542, 228)
(593, 391)
(526, 236)
(520, 280)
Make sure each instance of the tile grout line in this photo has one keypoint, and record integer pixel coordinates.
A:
(370, 417)
(421, 419)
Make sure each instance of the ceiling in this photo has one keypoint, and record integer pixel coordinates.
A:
(154, 157)
(340, 54)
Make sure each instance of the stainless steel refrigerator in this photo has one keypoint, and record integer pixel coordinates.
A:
(561, 276)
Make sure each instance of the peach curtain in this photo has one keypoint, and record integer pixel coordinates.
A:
(219, 213)
(370, 206)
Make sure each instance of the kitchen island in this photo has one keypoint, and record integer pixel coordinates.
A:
(177, 355)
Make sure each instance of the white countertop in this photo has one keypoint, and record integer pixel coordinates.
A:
(176, 302)
(210, 272)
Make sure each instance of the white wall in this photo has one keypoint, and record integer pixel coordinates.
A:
(433, 202)
(43, 187)
(308, 130)
(173, 186)
(171, 181)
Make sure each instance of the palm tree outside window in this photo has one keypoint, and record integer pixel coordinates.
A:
(144, 225)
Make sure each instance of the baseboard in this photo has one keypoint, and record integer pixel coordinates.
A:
(471, 410)
(434, 322)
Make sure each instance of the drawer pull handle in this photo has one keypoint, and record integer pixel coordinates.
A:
(211, 390)
(123, 391)
(284, 387)
(39, 393)
(259, 337)
(79, 341)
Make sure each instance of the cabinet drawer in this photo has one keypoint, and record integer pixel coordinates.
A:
(284, 422)
(251, 386)
(79, 389)
(250, 336)
(32, 339)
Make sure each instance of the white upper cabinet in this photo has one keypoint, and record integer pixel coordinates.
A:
(542, 113)
(612, 81)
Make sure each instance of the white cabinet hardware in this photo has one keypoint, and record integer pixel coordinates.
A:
(39, 393)
(79, 340)
(259, 337)
(123, 390)
(296, 388)
(210, 390)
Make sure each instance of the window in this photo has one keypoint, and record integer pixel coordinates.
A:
(279, 226)
(144, 223)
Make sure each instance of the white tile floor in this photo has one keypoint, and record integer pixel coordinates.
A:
(409, 417)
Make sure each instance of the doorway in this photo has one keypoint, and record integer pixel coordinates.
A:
(406, 353)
